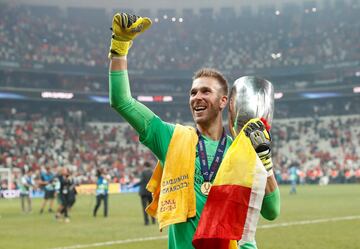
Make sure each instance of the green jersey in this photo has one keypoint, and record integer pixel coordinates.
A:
(181, 234)
(156, 135)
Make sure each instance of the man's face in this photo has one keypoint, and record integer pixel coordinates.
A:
(64, 172)
(207, 100)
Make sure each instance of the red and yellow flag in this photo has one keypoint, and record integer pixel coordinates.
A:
(233, 206)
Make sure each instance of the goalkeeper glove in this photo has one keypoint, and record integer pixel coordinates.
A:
(126, 28)
(261, 142)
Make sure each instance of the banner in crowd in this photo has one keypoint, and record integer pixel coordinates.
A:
(15, 193)
(114, 188)
(9, 194)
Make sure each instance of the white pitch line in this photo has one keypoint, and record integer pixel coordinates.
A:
(306, 222)
(115, 242)
(286, 224)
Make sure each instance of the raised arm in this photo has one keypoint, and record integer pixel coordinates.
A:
(154, 133)
(125, 28)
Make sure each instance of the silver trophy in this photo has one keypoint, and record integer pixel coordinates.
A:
(250, 97)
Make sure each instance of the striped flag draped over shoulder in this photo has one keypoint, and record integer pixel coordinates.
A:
(233, 206)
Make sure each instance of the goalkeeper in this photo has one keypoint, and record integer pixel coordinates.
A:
(207, 100)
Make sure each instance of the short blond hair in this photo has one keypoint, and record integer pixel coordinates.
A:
(213, 73)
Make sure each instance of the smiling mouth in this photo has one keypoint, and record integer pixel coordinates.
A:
(199, 109)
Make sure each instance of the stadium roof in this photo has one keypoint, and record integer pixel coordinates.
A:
(154, 5)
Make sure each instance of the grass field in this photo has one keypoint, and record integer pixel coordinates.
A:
(305, 223)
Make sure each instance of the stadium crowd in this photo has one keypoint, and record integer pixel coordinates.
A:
(83, 149)
(323, 149)
(318, 147)
(263, 39)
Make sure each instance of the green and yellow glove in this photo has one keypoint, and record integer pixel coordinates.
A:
(126, 28)
(261, 141)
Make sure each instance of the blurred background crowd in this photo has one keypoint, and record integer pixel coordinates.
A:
(319, 147)
(48, 48)
(265, 39)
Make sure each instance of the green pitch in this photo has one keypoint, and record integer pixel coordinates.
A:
(305, 223)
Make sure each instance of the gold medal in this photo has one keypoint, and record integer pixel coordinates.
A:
(205, 188)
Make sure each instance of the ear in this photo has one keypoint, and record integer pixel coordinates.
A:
(231, 105)
(223, 102)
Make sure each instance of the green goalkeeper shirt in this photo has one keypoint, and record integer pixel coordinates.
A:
(156, 135)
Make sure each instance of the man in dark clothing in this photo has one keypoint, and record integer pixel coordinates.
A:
(145, 195)
(67, 193)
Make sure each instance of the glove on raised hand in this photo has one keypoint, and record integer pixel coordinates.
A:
(126, 28)
(261, 141)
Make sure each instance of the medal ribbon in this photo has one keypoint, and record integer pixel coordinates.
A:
(207, 173)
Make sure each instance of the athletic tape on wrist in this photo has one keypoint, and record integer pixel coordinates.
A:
(122, 57)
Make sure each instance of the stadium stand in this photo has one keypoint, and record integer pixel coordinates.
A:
(320, 146)
(47, 48)
(43, 36)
